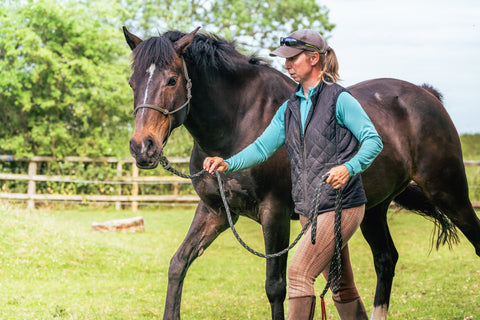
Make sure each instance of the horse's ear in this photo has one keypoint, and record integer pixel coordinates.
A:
(132, 40)
(182, 44)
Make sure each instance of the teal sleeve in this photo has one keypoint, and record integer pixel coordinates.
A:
(351, 115)
(264, 147)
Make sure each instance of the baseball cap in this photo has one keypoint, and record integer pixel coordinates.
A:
(310, 40)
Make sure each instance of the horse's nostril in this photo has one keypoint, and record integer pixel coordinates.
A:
(149, 146)
(133, 148)
(144, 150)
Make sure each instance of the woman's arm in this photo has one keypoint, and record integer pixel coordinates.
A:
(351, 115)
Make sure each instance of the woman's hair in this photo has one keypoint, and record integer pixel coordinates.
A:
(330, 67)
(330, 64)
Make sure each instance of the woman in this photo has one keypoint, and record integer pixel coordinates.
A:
(326, 132)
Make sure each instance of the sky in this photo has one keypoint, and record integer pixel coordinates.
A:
(420, 41)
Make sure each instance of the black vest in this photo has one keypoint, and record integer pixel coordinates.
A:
(325, 144)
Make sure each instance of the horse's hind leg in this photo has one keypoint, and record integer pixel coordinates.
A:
(205, 228)
(375, 230)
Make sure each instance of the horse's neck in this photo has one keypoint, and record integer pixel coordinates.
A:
(212, 120)
(226, 116)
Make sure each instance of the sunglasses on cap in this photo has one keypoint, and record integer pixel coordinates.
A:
(292, 42)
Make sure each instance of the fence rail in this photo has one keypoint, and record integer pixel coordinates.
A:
(31, 197)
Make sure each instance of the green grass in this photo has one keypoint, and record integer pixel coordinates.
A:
(470, 146)
(52, 266)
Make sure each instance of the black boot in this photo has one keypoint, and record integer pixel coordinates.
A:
(301, 308)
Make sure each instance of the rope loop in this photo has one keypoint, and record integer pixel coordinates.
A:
(311, 220)
(335, 272)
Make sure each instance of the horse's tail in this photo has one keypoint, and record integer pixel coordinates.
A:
(414, 199)
(433, 91)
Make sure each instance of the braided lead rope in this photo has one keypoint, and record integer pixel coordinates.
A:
(338, 242)
(166, 165)
(313, 212)
(335, 272)
(249, 249)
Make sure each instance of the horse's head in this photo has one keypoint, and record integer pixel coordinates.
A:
(161, 89)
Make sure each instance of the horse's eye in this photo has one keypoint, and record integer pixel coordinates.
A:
(172, 81)
(131, 83)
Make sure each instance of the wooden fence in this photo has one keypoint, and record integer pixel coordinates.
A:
(31, 197)
(133, 199)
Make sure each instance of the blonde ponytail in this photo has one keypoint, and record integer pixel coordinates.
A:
(330, 65)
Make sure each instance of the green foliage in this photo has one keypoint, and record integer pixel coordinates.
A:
(64, 79)
(470, 146)
(65, 64)
(253, 24)
(471, 151)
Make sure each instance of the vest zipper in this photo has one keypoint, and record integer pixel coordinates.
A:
(304, 171)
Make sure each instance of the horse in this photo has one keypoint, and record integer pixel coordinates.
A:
(226, 99)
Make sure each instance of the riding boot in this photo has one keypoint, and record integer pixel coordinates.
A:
(353, 310)
(301, 308)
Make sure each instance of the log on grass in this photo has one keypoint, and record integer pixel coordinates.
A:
(124, 225)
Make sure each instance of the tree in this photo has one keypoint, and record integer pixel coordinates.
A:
(65, 64)
(64, 71)
(256, 26)
(253, 24)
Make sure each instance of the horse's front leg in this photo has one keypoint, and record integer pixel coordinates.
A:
(205, 227)
(275, 222)
(376, 232)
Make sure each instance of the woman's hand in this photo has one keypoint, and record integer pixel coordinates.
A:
(214, 163)
(338, 176)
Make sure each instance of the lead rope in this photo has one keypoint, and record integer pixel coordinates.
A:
(166, 165)
(335, 272)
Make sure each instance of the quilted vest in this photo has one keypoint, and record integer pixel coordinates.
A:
(323, 145)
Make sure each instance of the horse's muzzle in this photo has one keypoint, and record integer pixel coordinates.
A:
(147, 153)
(147, 166)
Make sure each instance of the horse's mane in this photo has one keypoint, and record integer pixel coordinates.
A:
(207, 52)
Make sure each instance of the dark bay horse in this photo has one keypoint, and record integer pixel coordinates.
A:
(232, 100)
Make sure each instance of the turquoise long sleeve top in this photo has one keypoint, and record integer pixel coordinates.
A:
(349, 113)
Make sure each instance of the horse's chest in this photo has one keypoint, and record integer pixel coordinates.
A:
(240, 195)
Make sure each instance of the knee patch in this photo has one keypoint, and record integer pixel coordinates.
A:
(346, 294)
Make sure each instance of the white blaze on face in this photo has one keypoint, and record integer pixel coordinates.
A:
(150, 71)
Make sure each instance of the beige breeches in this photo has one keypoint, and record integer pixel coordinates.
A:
(312, 259)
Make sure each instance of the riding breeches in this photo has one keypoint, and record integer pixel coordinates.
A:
(310, 259)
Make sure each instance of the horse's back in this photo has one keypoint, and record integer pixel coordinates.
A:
(416, 131)
(400, 97)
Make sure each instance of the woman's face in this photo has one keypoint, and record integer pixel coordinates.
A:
(299, 67)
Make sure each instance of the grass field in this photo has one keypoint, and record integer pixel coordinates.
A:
(52, 266)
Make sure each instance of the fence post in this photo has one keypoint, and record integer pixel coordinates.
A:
(175, 189)
(118, 204)
(134, 187)
(32, 172)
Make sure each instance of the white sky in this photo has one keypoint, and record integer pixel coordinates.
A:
(432, 41)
